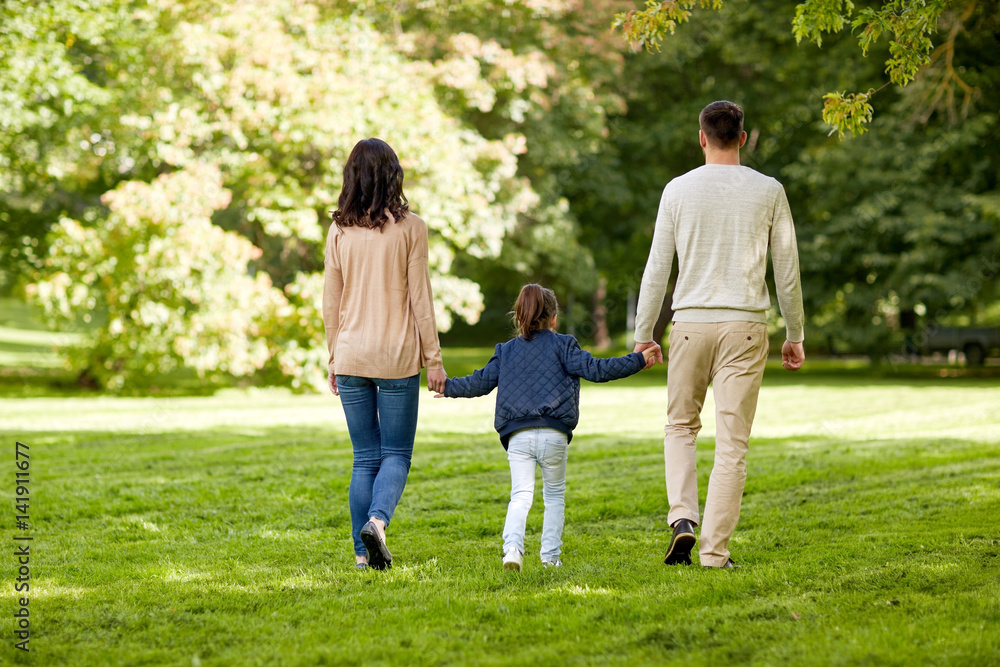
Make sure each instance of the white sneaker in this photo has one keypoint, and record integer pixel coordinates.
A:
(552, 563)
(512, 560)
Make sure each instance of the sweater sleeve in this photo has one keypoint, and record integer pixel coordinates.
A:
(785, 261)
(480, 383)
(580, 363)
(333, 292)
(657, 274)
(418, 281)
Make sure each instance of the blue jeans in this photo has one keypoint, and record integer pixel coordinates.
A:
(547, 448)
(382, 420)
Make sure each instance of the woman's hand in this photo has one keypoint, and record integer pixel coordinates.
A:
(331, 382)
(436, 380)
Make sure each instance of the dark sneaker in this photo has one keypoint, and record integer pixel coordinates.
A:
(379, 557)
(679, 551)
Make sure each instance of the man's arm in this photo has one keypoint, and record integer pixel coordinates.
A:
(656, 276)
(785, 260)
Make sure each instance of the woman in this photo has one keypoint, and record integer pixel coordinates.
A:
(379, 316)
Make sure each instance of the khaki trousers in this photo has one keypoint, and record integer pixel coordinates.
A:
(730, 356)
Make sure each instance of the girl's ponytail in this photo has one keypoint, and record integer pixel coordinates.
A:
(534, 309)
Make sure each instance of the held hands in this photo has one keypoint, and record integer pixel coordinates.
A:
(436, 380)
(651, 352)
(793, 355)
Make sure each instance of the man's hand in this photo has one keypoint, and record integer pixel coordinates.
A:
(436, 380)
(651, 352)
(331, 382)
(792, 356)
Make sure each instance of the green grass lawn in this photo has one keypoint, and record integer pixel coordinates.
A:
(215, 531)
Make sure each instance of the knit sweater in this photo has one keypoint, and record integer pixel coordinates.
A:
(721, 220)
(377, 304)
(539, 381)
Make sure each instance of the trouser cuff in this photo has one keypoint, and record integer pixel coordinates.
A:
(682, 513)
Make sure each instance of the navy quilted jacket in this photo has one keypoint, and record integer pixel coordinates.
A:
(539, 381)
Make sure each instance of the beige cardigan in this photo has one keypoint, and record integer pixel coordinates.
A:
(378, 309)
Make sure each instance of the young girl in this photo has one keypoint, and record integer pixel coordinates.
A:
(538, 406)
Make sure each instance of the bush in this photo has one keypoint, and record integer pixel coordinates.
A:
(161, 288)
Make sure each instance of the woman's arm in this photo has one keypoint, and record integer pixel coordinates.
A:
(418, 283)
(333, 292)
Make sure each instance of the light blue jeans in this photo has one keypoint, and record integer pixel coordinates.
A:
(546, 448)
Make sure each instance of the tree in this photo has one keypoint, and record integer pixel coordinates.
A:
(57, 155)
(908, 26)
(275, 94)
(169, 288)
(916, 246)
(894, 224)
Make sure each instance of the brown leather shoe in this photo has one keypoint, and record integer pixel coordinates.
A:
(679, 551)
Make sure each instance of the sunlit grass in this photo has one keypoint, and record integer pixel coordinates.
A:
(214, 530)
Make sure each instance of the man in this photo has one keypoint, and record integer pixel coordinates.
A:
(720, 219)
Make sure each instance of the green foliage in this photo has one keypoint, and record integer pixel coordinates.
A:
(53, 93)
(535, 145)
(275, 95)
(217, 528)
(170, 288)
(907, 25)
(815, 17)
(916, 248)
(647, 28)
(848, 112)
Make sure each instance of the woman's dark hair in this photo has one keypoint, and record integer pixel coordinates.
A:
(534, 309)
(722, 123)
(373, 183)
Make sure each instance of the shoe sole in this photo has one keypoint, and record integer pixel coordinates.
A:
(516, 567)
(680, 550)
(379, 557)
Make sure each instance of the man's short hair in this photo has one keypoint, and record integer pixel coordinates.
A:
(722, 123)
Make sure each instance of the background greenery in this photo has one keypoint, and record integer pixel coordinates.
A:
(167, 168)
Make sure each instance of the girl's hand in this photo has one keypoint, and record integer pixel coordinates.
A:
(651, 352)
(332, 383)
